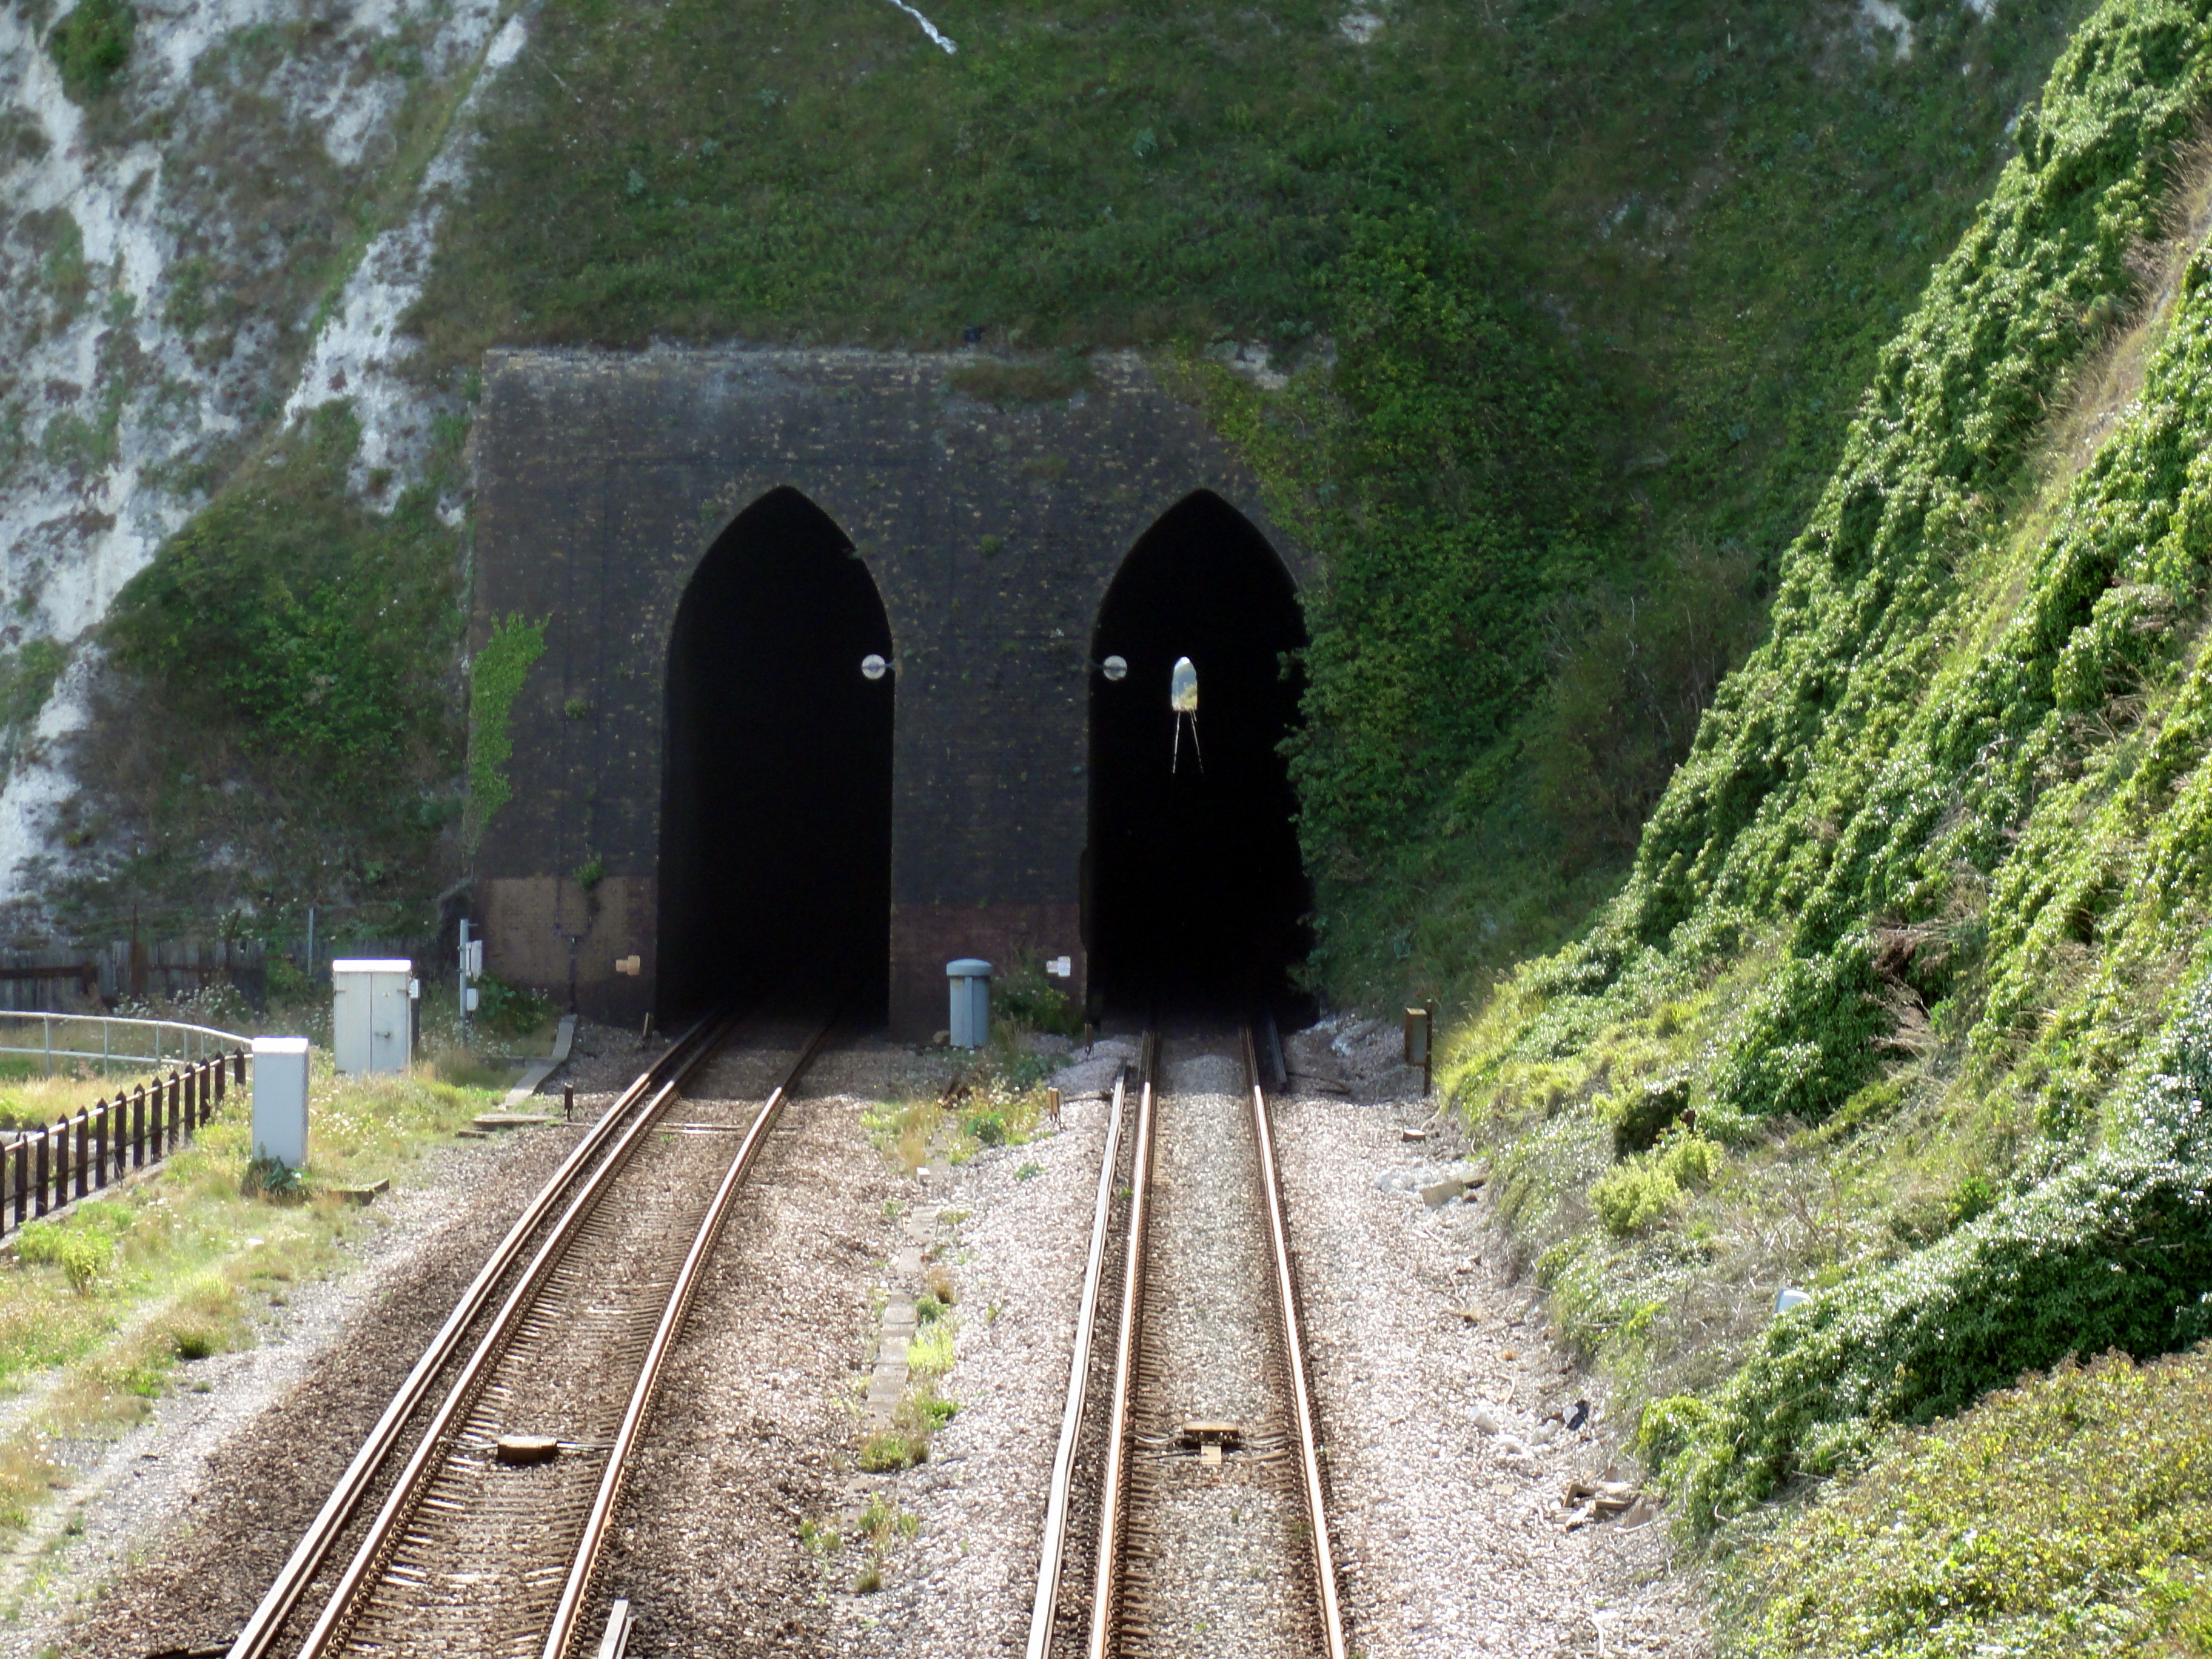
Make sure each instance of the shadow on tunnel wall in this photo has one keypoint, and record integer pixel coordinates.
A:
(776, 838)
(1196, 893)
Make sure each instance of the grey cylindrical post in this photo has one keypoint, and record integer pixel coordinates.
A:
(971, 1001)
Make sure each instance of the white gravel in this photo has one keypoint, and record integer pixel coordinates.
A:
(962, 1587)
(1452, 1544)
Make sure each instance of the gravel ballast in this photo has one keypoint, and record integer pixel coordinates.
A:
(187, 1517)
(1454, 1539)
(1432, 1369)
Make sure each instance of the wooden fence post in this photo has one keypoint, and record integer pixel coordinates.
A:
(22, 1178)
(99, 1166)
(138, 1127)
(83, 1152)
(49, 1155)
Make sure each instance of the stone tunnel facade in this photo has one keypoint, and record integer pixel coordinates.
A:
(992, 531)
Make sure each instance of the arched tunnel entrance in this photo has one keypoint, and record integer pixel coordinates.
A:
(775, 837)
(1196, 894)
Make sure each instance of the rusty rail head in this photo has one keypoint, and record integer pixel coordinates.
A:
(1312, 1488)
(1054, 1554)
(291, 1582)
(1113, 1487)
(398, 1502)
(561, 1632)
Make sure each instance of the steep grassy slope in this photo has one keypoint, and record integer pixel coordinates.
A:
(1907, 999)
(1601, 280)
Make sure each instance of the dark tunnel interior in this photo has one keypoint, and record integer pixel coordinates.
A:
(1196, 896)
(775, 840)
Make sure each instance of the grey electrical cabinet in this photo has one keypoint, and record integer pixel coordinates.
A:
(372, 1014)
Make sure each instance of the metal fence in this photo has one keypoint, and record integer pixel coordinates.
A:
(170, 1041)
(85, 977)
(42, 1169)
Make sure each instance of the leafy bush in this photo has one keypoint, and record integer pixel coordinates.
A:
(2116, 1253)
(319, 739)
(272, 1178)
(1025, 996)
(82, 1244)
(930, 1354)
(1641, 1116)
(335, 623)
(84, 1255)
(27, 680)
(505, 1009)
(890, 1450)
(91, 45)
(989, 1127)
(1633, 1195)
(2062, 1516)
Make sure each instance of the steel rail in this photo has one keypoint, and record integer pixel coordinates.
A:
(1294, 1361)
(308, 1557)
(492, 1344)
(1113, 1497)
(570, 1610)
(1078, 1375)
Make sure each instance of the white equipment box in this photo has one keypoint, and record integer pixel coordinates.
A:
(280, 1100)
(372, 1014)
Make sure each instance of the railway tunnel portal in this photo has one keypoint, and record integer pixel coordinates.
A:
(775, 806)
(707, 790)
(1197, 892)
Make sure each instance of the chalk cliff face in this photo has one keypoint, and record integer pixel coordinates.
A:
(192, 256)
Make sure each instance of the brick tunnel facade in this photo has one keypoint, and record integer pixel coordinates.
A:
(710, 775)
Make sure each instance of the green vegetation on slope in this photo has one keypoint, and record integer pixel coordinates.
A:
(1916, 930)
(2065, 1517)
(1603, 280)
(91, 45)
(315, 637)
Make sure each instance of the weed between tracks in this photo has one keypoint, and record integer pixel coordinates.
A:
(997, 1098)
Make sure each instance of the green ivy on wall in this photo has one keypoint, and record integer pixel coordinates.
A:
(495, 680)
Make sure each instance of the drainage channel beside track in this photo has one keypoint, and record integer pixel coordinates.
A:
(1188, 1504)
(471, 1519)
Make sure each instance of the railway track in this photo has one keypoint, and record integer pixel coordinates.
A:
(1187, 1499)
(470, 1520)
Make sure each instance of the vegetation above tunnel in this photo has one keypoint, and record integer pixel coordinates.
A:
(1601, 282)
(1585, 293)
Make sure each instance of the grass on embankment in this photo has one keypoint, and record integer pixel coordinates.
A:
(2067, 1516)
(1908, 999)
(100, 1306)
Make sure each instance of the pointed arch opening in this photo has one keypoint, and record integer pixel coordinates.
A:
(775, 813)
(1196, 893)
